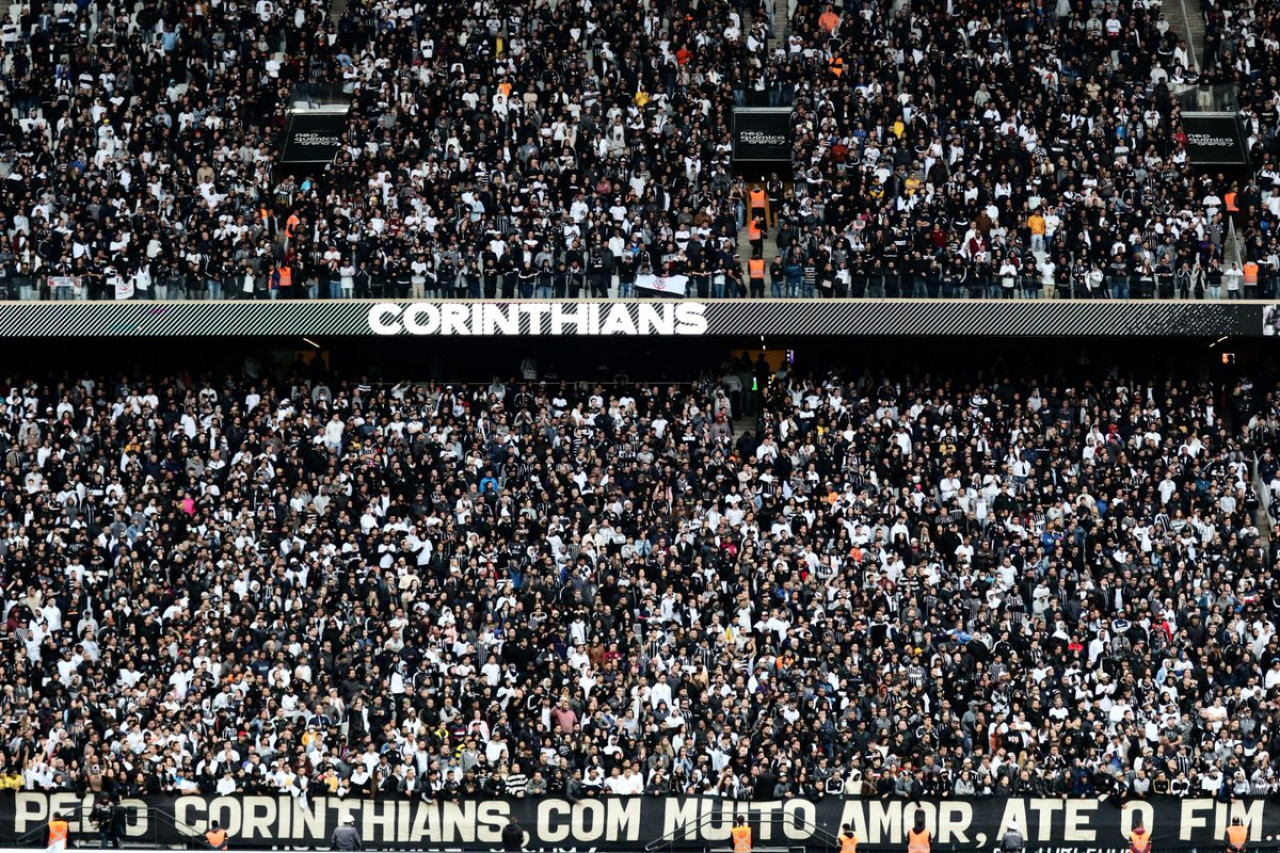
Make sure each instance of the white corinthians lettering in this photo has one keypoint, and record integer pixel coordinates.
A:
(538, 318)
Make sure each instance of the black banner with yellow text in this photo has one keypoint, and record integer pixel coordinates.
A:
(1050, 825)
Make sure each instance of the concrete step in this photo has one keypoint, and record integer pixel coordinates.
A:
(1232, 248)
(782, 10)
(1187, 18)
(1264, 515)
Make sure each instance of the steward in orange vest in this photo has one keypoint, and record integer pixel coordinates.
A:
(1237, 836)
(216, 836)
(848, 840)
(1140, 839)
(741, 836)
(918, 840)
(59, 831)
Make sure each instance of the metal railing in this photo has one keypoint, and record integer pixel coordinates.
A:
(1189, 34)
(671, 841)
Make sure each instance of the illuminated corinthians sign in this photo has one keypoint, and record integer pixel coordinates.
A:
(538, 318)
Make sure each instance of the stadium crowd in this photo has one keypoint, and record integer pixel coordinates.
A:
(891, 586)
(564, 148)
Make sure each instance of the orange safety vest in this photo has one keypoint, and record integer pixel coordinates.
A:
(757, 199)
(1237, 836)
(1140, 840)
(837, 66)
(217, 839)
(918, 842)
(741, 839)
(1250, 274)
(1230, 199)
(291, 224)
(753, 231)
(58, 831)
(286, 277)
(755, 268)
(848, 844)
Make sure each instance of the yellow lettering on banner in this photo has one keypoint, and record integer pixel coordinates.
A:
(1044, 809)
(954, 820)
(69, 806)
(457, 822)
(799, 819)
(258, 819)
(716, 822)
(552, 823)
(227, 812)
(377, 820)
(622, 820)
(284, 808)
(189, 815)
(855, 816)
(1250, 815)
(309, 822)
(930, 816)
(1194, 816)
(343, 807)
(885, 822)
(1079, 814)
(680, 816)
(490, 819)
(765, 822)
(420, 830)
(1132, 811)
(403, 817)
(1015, 817)
(142, 823)
(30, 810)
(588, 821)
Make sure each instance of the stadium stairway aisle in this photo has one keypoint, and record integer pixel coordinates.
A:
(770, 244)
(1264, 516)
(1232, 251)
(1192, 27)
(782, 20)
